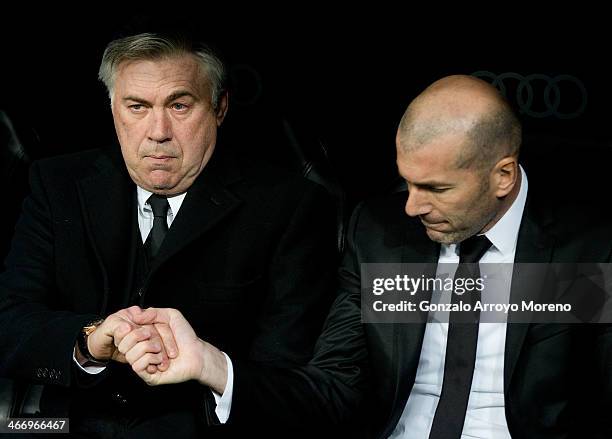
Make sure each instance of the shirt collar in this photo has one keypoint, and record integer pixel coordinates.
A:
(504, 233)
(175, 201)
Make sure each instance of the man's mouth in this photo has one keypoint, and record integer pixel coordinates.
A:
(160, 157)
(435, 226)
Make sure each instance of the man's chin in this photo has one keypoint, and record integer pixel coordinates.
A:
(446, 238)
(161, 180)
(162, 187)
(169, 186)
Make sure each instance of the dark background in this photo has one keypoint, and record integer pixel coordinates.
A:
(342, 79)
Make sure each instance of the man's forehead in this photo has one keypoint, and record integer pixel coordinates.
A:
(435, 161)
(166, 74)
(442, 149)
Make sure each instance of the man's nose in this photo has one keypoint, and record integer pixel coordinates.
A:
(417, 203)
(160, 129)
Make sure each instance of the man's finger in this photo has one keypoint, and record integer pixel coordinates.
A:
(154, 315)
(120, 331)
(146, 316)
(133, 311)
(145, 347)
(130, 340)
(167, 338)
(102, 342)
(163, 366)
(141, 364)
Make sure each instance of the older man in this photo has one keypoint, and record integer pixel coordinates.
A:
(242, 253)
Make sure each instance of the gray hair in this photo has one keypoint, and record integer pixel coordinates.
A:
(151, 46)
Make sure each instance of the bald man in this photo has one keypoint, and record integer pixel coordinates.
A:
(457, 149)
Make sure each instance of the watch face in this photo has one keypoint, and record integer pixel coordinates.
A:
(89, 329)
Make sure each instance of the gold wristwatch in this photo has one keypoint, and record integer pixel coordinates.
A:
(82, 341)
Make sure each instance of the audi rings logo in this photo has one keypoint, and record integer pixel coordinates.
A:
(538, 95)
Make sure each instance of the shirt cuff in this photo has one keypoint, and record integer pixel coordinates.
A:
(92, 370)
(224, 402)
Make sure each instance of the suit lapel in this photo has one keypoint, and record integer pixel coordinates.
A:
(534, 245)
(208, 201)
(106, 199)
(419, 250)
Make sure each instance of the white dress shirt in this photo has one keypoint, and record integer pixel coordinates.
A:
(485, 416)
(145, 224)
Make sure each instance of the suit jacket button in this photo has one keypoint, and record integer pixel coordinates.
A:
(119, 399)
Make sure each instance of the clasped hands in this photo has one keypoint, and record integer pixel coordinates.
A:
(160, 345)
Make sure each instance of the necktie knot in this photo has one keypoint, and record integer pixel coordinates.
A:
(159, 205)
(473, 248)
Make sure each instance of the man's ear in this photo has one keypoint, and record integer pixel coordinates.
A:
(222, 108)
(504, 176)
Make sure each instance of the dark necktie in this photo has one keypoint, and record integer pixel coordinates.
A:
(159, 205)
(460, 347)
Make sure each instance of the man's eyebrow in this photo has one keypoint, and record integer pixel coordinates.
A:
(427, 183)
(136, 99)
(174, 96)
(179, 94)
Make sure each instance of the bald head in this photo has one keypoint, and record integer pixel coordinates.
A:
(468, 108)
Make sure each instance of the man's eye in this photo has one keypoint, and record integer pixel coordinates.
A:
(136, 107)
(179, 107)
(438, 190)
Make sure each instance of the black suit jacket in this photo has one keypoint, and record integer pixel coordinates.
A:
(247, 260)
(557, 377)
